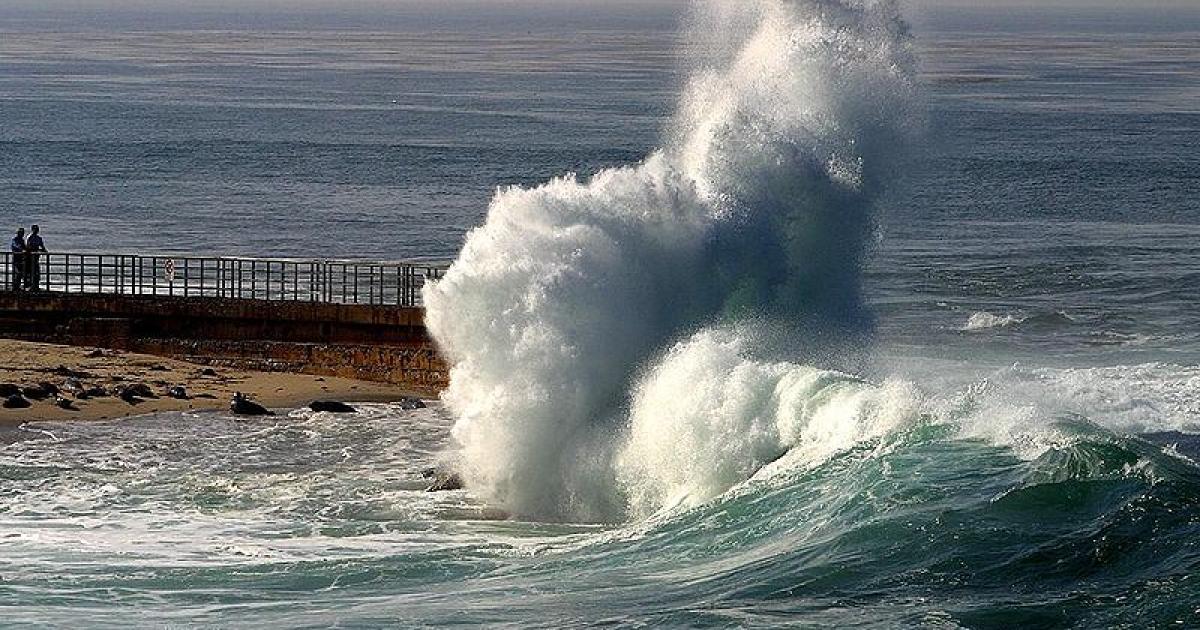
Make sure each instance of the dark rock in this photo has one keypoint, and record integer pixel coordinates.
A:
(128, 396)
(95, 354)
(9, 389)
(64, 403)
(159, 368)
(177, 392)
(208, 372)
(49, 387)
(205, 396)
(410, 403)
(331, 406)
(242, 406)
(16, 401)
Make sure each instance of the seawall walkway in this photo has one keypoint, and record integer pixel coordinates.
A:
(357, 319)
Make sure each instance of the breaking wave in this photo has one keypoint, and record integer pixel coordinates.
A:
(560, 312)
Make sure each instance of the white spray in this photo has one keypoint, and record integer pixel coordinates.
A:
(604, 335)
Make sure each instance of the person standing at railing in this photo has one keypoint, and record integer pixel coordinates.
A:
(34, 248)
(17, 247)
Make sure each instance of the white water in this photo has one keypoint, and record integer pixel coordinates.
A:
(757, 210)
(982, 320)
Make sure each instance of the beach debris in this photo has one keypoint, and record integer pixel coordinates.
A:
(410, 403)
(64, 403)
(242, 406)
(178, 392)
(331, 406)
(16, 401)
(9, 389)
(442, 480)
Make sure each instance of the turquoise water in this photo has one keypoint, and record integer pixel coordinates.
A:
(310, 521)
(750, 382)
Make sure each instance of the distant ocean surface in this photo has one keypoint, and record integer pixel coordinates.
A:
(1034, 274)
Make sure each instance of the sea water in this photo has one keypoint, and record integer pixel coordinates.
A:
(785, 313)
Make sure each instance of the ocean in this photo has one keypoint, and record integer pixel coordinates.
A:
(775, 313)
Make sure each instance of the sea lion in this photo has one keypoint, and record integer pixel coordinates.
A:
(74, 387)
(442, 480)
(331, 406)
(242, 406)
(16, 401)
(36, 392)
(141, 390)
(128, 395)
(410, 403)
(177, 392)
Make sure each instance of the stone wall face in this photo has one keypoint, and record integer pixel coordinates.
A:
(377, 343)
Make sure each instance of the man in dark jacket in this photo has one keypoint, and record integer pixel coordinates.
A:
(34, 248)
(17, 247)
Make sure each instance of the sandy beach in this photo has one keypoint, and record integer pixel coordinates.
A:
(29, 364)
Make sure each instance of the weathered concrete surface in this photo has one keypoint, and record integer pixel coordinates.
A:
(377, 343)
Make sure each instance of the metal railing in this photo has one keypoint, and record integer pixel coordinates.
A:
(331, 281)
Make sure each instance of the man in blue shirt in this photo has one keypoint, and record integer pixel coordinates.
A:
(34, 248)
(17, 248)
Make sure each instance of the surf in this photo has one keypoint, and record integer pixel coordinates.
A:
(753, 217)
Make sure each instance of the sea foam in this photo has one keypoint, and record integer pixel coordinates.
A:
(596, 326)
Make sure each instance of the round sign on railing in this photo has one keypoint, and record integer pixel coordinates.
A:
(169, 270)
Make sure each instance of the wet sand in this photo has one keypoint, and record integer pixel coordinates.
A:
(27, 364)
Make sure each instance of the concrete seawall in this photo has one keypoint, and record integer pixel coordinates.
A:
(369, 342)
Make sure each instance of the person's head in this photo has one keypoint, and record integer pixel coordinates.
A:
(20, 231)
(33, 229)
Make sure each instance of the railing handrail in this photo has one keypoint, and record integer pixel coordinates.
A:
(436, 263)
(345, 281)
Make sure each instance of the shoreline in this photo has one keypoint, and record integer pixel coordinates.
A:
(24, 364)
